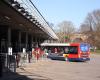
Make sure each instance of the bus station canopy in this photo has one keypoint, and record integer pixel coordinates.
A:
(15, 14)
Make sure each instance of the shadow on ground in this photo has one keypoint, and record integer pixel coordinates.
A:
(28, 76)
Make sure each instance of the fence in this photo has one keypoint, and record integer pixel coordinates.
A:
(7, 63)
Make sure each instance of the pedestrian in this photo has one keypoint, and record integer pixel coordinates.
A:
(17, 59)
(29, 57)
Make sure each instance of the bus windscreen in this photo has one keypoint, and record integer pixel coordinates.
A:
(84, 47)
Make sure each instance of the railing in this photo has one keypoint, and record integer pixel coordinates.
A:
(7, 62)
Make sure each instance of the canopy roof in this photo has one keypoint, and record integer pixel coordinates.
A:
(25, 16)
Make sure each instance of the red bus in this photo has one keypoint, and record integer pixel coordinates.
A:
(68, 51)
(78, 52)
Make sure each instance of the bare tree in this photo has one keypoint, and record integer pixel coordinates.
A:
(91, 27)
(66, 28)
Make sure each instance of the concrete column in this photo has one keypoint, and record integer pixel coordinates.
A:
(26, 42)
(36, 41)
(9, 37)
(19, 41)
(31, 41)
(9, 45)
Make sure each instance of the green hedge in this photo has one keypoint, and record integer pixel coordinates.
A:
(96, 51)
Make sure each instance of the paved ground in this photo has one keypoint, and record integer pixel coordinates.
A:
(61, 70)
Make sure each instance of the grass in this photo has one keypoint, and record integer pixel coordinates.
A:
(96, 51)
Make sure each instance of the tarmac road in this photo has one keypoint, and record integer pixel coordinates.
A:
(61, 70)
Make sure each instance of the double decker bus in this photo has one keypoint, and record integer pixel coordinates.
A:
(68, 51)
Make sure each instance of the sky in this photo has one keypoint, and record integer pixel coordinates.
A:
(57, 11)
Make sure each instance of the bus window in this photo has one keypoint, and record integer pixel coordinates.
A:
(73, 50)
(66, 50)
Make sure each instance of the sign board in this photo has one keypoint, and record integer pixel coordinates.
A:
(24, 50)
(9, 50)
